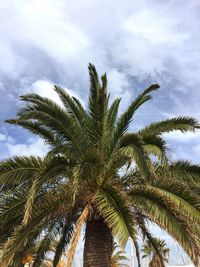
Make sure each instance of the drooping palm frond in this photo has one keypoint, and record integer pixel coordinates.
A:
(45, 243)
(21, 232)
(137, 252)
(18, 170)
(132, 148)
(163, 213)
(64, 240)
(37, 128)
(183, 206)
(183, 171)
(115, 210)
(156, 146)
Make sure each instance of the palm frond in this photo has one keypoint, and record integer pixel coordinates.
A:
(52, 116)
(183, 124)
(125, 118)
(44, 245)
(72, 107)
(21, 233)
(76, 235)
(34, 127)
(163, 214)
(19, 169)
(133, 148)
(113, 207)
(30, 201)
(174, 199)
(182, 170)
(66, 235)
(137, 252)
(155, 145)
(151, 239)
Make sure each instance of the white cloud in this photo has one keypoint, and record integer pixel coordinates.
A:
(196, 150)
(151, 37)
(42, 25)
(183, 137)
(2, 137)
(119, 86)
(45, 88)
(34, 146)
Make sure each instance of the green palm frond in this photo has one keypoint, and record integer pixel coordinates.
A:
(155, 145)
(114, 209)
(125, 118)
(64, 240)
(45, 244)
(112, 112)
(34, 127)
(163, 214)
(54, 117)
(21, 232)
(181, 190)
(18, 169)
(184, 207)
(183, 171)
(131, 146)
(98, 103)
(151, 240)
(183, 124)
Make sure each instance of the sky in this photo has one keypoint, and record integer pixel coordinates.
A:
(136, 42)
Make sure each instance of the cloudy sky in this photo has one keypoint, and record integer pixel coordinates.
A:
(136, 42)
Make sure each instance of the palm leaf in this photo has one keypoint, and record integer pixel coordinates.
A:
(182, 124)
(114, 209)
(125, 118)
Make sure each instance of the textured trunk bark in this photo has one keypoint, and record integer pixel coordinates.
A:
(98, 244)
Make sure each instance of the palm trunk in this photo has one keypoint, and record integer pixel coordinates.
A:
(98, 244)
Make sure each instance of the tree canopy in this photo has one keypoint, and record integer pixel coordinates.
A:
(95, 167)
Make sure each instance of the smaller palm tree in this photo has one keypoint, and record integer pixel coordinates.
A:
(118, 257)
(149, 252)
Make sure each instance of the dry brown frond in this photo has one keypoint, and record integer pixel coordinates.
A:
(73, 244)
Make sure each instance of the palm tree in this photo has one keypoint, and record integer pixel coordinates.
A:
(87, 178)
(149, 252)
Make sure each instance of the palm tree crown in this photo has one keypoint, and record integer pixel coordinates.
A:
(88, 178)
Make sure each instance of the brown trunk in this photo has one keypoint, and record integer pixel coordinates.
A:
(155, 262)
(98, 244)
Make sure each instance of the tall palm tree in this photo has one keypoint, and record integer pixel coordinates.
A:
(87, 178)
(149, 252)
